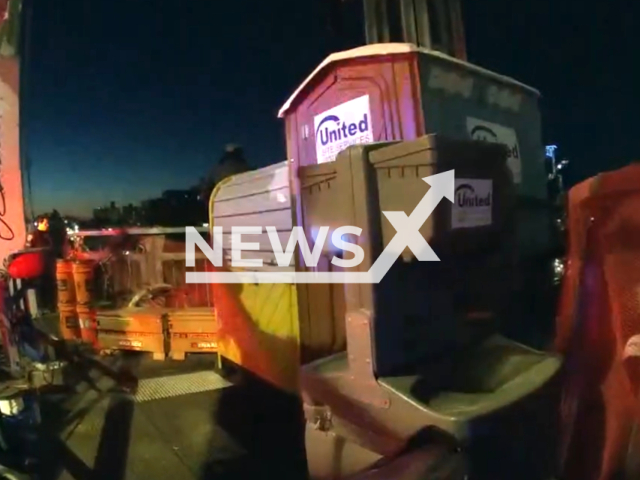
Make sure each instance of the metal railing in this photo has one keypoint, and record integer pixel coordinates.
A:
(154, 263)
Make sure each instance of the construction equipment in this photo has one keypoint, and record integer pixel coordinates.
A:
(26, 367)
(598, 328)
(140, 303)
(421, 350)
(418, 355)
(407, 377)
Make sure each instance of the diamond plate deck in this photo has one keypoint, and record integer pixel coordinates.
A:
(178, 385)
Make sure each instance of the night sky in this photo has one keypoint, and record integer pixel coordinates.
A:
(126, 98)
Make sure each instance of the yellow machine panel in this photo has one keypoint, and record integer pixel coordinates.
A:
(263, 337)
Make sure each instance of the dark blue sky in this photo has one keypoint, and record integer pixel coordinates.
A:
(127, 98)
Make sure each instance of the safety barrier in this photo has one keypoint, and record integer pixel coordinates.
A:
(87, 323)
(108, 296)
(138, 329)
(65, 283)
(156, 256)
(69, 323)
(162, 332)
(66, 293)
(83, 275)
(192, 330)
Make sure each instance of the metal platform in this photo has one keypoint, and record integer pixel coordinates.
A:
(181, 421)
(178, 385)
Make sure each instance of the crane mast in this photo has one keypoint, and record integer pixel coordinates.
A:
(430, 24)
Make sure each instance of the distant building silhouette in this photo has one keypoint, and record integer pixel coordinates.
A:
(174, 208)
(108, 215)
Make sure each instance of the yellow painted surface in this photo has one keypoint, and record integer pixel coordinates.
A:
(265, 341)
(273, 309)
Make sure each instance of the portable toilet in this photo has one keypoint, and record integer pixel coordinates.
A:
(398, 91)
(380, 93)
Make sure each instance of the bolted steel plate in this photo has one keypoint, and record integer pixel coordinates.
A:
(177, 385)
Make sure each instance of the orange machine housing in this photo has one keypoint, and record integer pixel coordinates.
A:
(599, 328)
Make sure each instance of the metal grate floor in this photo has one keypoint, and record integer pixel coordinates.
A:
(177, 385)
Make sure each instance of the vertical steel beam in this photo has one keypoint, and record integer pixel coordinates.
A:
(430, 24)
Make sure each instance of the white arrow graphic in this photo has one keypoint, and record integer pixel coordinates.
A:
(407, 235)
(408, 228)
